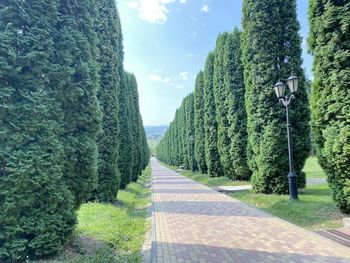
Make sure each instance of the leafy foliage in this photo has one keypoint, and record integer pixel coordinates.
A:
(36, 208)
(77, 93)
(222, 97)
(108, 32)
(199, 122)
(210, 123)
(176, 147)
(271, 50)
(329, 42)
(58, 84)
(235, 103)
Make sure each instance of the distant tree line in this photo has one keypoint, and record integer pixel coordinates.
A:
(70, 125)
(239, 128)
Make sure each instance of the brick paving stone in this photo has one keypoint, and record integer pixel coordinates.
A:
(193, 223)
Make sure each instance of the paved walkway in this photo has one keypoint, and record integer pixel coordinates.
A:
(193, 223)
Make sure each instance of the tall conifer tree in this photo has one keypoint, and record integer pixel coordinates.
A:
(211, 135)
(108, 32)
(236, 114)
(190, 132)
(76, 50)
(272, 51)
(222, 97)
(329, 42)
(183, 135)
(135, 127)
(125, 144)
(199, 122)
(37, 214)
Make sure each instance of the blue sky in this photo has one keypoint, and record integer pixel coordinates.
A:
(166, 43)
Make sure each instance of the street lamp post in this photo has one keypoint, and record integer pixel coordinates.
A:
(192, 152)
(279, 87)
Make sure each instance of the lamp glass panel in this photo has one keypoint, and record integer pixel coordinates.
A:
(280, 89)
(292, 83)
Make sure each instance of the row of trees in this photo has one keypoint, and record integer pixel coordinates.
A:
(218, 124)
(239, 127)
(65, 105)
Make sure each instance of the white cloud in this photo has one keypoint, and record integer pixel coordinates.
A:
(205, 8)
(133, 4)
(179, 87)
(190, 55)
(153, 11)
(194, 33)
(167, 80)
(183, 75)
(157, 78)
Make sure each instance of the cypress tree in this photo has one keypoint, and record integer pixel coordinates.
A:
(76, 47)
(108, 33)
(329, 42)
(222, 97)
(36, 208)
(135, 127)
(211, 135)
(176, 139)
(190, 132)
(271, 51)
(125, 144)
(236, 114)
(183, 136)
(199, 122)
(146, 153)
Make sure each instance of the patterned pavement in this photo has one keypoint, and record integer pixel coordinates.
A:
(193, 223)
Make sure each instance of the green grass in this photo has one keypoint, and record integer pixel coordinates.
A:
(212, 181)
(313, 169)
(315, 210)
(206, 180)
(119, 227)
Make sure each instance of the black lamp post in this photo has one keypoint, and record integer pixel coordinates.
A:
(192, 153)
(292, 84)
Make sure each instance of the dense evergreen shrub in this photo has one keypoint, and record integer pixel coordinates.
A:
(76, 51)
(329, 42)
(222, 98)
(235, 103)
(199, 122)
(37, 214)
(212, 156)
(108, 32)
(272, 51)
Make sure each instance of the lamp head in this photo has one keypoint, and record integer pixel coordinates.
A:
(279, 89)
(292, 83)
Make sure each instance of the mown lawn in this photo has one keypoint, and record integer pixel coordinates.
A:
(115, 232)
(205, 179)
(313, 169)
(315, 209)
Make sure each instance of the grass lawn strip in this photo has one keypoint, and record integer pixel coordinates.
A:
(108, 233)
